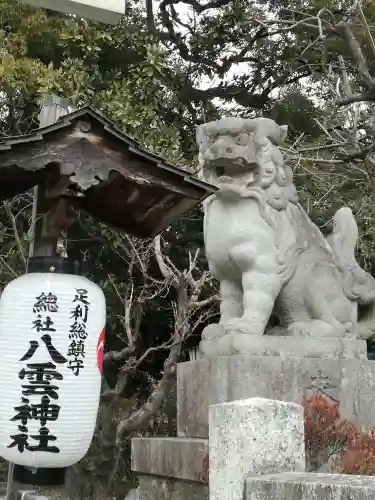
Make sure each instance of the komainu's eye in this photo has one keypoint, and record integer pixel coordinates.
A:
(242, 139)
(210, 140)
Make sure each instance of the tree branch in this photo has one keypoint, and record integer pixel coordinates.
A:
(165, 270)
(15, 232)
(366, 27)
(343, 28)
(150, 16)
(196, 5)
(122, 355)
(143, 415)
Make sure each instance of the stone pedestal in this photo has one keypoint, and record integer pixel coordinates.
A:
(209, 381)
(253, 436)
(299, 486)
(286, 370)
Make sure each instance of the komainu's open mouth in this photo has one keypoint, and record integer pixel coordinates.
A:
(230, 164)
(226, 170)
(220, 171)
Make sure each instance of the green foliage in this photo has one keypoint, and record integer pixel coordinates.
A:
(116, 69)
(298, 112)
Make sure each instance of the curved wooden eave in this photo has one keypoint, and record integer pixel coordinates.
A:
(103, 170)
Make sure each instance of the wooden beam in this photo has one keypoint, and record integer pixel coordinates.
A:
(104, 11)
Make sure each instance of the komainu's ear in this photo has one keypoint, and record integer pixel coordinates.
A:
(283, 133)
(200, 134)
(200, 175)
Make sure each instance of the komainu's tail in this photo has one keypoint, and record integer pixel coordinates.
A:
(359, 286)
(344, 236)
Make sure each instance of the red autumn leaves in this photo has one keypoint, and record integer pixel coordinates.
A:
(329, 438)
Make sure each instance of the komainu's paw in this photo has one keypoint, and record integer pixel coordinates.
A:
(212, 331)
(317, 328)
(299, 329)
(241, 325)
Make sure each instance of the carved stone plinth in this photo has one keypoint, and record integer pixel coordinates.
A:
(268, 345)
(211, 381)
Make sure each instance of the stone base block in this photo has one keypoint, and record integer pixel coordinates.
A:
(299, 486)
(269, 345)
(257, 436)
(229, 378)
(157, 488)
(176, 458)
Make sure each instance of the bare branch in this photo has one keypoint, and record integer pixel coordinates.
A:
(368, 96)
(128, 302)
(164, 268)
(361, 154)
(7, 266)
(122, 355)
(196, 5)
(344, 29)
(15, 231)
(136, 254)
(344, 77)
(131, 366)
(122, 381)
(324, 146)
(366, 27)
(142, 417)
(215, 299)
(188, 313)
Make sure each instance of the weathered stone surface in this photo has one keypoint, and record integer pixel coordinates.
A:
(256, 436)
(297, 486)
(133, 494)
(33, 496)
(266, 345)
(180, 458)
(211, 381)
(154, 488)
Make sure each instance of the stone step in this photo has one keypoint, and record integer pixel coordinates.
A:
(171, 468)
(179, 458)
(310, 486)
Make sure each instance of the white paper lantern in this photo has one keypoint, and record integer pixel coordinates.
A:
(51, 343)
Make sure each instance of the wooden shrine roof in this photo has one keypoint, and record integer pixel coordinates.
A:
(85, 158)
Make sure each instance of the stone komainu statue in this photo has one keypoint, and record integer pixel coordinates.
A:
(265, 251)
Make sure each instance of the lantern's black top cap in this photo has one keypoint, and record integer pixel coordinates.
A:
(59, 265)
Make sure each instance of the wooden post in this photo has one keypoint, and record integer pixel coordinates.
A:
(41, 243)
(52, 109)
